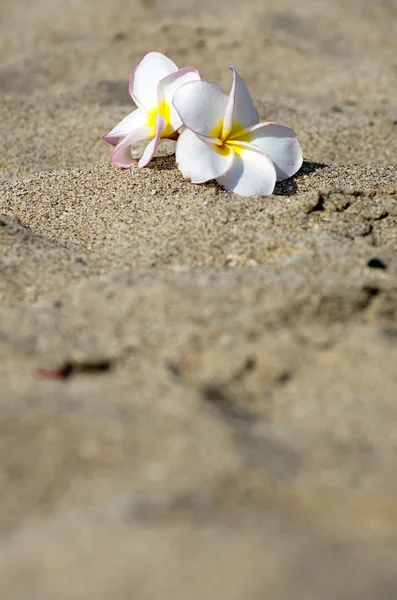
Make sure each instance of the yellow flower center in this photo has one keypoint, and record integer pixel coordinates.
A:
(224, 144)
(164, 110)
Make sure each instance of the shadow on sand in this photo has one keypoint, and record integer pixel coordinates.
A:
(289, 186)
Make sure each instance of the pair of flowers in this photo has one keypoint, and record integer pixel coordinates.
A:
(218, 136)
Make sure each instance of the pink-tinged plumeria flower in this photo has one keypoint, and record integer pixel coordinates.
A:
(223, 140)
(152, 85)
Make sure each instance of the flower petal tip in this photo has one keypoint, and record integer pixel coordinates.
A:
(109, 139)
(120, 165)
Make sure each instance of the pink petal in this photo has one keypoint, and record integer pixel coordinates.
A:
(240, 112)
(134, 120)
(167, 88)
(280, 143)
(199, 159)
(145, 78)
(252, 173)
(152, 145)
(121, 155)
(201, 105)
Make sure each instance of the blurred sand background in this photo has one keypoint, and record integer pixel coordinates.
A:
(198, 391)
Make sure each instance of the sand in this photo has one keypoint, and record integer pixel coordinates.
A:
(198, 391)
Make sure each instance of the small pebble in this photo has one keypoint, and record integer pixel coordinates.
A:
(376, 263)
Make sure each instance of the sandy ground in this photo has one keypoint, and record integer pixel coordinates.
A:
(198, 391)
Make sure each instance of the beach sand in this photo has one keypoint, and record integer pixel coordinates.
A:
(198, 391)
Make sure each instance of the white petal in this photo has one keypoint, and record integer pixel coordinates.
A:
(252, 173)
(199, 159)
(167, 88)
(145, 78)
(241, 112)
(152, 145)
(201, 106)
(280, 143)
(134, 120)
(121, 155)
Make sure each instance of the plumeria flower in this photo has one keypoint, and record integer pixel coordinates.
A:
(223, 140)
(152, 85)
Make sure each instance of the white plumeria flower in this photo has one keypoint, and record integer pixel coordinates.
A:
(223, 140)
(152, 85)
